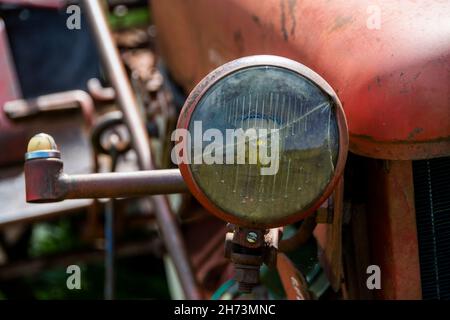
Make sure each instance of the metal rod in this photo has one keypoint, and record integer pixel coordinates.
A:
(17, 109)
(117, 75)
(121, 184)
(98, 92)
(110, 250)
(110, 278)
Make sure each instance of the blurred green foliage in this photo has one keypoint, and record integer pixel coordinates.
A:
(137, 17)
(132, 281)
(139, 277)
(50, 238)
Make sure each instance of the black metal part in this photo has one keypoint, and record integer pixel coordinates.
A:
(432, 200)
(109, 232)
(110, 250)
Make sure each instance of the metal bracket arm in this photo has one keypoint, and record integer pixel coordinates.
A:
(46, 182)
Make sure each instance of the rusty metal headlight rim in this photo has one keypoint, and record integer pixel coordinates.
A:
(257, 61)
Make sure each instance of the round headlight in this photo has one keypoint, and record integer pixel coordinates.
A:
(264, 141)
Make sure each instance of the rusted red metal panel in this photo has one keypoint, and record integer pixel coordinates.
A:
(9, 87)
(294, 283)
(36, 3)
(10, 135)
(393, 230)
(394, 82)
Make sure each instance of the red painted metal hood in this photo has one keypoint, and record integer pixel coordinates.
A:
(394, 82)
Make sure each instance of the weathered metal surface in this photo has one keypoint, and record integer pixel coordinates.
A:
(9, 87)
(356, 255)
(98, 92)
(392, 229)
(45, 182)
(293, 281)
(77, 156)
(52, 4)
(329, 239)
(247, 249)
(204, 241)
(393, 81)
(10, 136)
(133, 118)
(18, 109)
(69, 131)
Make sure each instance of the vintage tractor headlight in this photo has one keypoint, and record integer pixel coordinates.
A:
(261, 141)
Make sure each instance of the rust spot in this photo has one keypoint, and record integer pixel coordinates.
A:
(404, 90)
(256, 19)
(415, 132)
(340, 22)
(379, 81)
(283, 21)
(291, 11)
(239, 39)
(292, 5)
(400, 142)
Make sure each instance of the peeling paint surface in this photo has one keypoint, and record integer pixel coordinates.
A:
(390, 81)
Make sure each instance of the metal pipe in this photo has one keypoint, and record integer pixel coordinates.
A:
(98, 92)
(17, 109)
(110, 248)
(117, 75)
(121, 184)
(127, 102)
(109, 251)
(45, 181)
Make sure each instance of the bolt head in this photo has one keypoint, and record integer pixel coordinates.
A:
(252, 237)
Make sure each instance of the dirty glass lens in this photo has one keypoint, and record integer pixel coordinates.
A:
(264, 143)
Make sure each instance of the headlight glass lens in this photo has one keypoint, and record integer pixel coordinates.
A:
(302, 143)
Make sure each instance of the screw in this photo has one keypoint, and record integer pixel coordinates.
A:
(252, 237)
